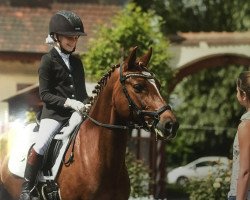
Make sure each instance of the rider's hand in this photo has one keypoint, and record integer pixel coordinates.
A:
(87, 106)
(76, 105)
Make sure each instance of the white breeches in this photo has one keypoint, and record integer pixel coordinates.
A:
(49, 126)
(47, 129)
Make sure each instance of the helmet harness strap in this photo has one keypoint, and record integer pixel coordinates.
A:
(56, 39)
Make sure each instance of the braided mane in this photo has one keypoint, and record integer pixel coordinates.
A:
(101, 83)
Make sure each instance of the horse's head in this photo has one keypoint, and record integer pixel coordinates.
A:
(141, 102)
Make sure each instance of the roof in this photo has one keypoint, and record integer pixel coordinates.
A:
(211, 38)
(24, 29)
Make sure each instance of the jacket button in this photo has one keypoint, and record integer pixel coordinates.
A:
(70, 75)
(73, 96)
(71, 86)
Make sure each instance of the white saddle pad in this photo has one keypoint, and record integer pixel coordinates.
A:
(19, 150)
(22, 143)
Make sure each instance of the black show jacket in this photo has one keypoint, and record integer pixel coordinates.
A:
(57, 83)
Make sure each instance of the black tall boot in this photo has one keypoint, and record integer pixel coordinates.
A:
(34, 161)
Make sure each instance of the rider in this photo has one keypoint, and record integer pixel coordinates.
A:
(61, 86)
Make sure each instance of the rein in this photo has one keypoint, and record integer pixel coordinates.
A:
(111, 126)
(155, 115)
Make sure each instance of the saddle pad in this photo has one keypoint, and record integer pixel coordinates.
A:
(23, 141)
(21, 146)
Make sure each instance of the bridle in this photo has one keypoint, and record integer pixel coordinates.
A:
(135, 111)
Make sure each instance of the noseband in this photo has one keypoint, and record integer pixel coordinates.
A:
(135, 111)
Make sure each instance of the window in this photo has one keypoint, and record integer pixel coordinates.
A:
(205, 164)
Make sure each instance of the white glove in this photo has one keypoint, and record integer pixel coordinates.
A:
(76, 105)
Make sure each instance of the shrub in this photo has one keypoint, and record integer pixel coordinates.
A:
(139, 176)
(213, 187)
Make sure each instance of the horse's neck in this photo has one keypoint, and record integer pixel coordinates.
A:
(107, 143)
(103, 109)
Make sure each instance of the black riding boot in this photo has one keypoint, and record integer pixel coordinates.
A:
(34, 161)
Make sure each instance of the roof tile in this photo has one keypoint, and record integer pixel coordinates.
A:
(24, 29)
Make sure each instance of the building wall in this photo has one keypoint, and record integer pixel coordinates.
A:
(12, 74)
(9, 82)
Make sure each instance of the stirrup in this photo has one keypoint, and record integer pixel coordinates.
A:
(25, 195)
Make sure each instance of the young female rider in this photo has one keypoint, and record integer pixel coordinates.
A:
(61, 86)
(240, 188)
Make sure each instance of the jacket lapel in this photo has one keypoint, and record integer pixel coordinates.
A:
(55, 55)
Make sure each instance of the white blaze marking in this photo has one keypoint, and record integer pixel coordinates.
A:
(151, 80)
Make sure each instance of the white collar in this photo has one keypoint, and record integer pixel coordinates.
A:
(63, 55)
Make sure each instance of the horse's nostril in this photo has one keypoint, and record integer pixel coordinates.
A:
(165, 126)
(169, 125)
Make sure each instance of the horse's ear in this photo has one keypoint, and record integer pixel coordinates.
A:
(144, 60)
(131, 58)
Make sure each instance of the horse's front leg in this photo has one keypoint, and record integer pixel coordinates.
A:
(123, 186)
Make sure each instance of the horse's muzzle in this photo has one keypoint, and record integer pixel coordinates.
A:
(167, 128)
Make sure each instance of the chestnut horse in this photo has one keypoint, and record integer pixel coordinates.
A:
(126, 97)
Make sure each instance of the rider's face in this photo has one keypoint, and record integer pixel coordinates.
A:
(68, 42)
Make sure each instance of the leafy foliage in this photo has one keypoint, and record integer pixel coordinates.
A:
(201, 15)
(208, 113)
(130, 27)
(213, 187)
(30, 116)
(210, 100)
(139, 176)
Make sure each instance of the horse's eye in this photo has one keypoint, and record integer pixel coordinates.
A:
(138, 88)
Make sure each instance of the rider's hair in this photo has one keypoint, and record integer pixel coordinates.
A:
(243, 83)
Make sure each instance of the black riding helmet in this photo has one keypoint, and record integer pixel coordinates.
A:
(66, 23)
